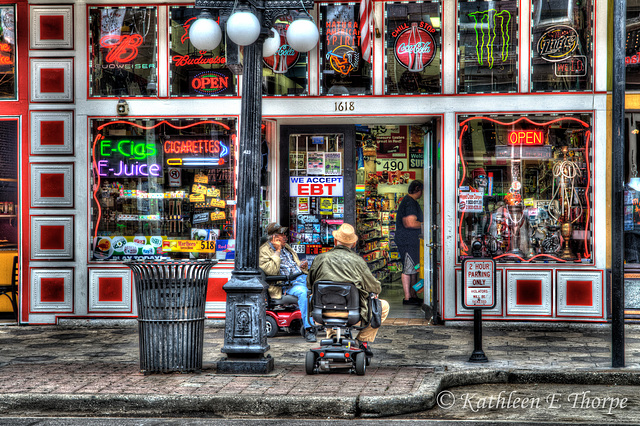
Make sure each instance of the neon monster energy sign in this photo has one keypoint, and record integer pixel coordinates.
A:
(488, 25)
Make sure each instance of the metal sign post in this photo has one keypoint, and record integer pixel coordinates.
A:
(478, 293)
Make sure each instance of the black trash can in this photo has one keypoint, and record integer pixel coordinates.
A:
(171, 303)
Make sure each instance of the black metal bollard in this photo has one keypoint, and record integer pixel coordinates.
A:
(171, 297)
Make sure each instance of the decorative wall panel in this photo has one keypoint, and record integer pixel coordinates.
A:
(52, 237)
(51, 79)
(110, 290)
(579, 293)
(51, 27)
(52, 185)
(529, 293)
(51, 290)
(51, 132)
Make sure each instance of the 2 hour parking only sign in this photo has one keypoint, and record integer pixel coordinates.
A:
(479, 283)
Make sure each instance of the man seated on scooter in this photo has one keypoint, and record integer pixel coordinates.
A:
(342, 264)
(278, 258)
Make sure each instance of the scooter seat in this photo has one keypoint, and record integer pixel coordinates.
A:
(287, 299)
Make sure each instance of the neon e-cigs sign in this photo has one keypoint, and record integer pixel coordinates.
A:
(129, 149)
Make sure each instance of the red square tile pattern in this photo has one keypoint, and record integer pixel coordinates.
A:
(110, 289)
(52, 80)
(52, 27)
(52, 133)
(579, 293)
(529, 292)
(52, 237)
(52, 289)
(52, 185)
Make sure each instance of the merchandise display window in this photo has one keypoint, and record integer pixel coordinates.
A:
(285, 72)
(524, 188)
(193, 72)
(487, 46)
(632, 191)
(389, 158)
(412, 48)
(163, 187)
(561, 45)
(345, 53)
(632, 52)
(7, 52)
(123, 51)
(316, 190)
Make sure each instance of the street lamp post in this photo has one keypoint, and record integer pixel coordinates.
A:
(245, 340)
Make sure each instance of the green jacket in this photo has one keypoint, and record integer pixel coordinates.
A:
(344, 265)
(270, 264)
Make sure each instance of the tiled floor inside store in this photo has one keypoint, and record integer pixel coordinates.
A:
(392, 293)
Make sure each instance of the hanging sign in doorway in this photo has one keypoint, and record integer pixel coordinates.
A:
(316, 186)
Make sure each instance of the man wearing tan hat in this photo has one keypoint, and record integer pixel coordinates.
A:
(278, 258)
(342, 264)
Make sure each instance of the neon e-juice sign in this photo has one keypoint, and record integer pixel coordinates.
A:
(131, 150)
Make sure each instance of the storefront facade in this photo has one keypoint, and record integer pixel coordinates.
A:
(126, 147)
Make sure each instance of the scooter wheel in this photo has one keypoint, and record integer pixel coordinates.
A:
(270, 326)
(310, 362)
(361, 364)
(368, 361)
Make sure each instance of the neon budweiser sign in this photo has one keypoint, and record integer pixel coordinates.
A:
(490, 25)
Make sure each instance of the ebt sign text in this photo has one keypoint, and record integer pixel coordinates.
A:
(316, 186)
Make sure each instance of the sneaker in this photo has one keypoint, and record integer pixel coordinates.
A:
(366, 347)
(407, 302)
(415, 301)
(310, 335)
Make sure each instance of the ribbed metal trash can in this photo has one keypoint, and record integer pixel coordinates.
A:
(171, 303)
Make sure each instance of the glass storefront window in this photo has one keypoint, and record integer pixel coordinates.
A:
(162, 187)
(343, 69)
(7, 52)
(123, 51)
(193, 72)
(316, 183)
(632, 53)
(561, 45)
(286, 72)
(524, 188)
(412, 48)
(487, 46)
(632, 190)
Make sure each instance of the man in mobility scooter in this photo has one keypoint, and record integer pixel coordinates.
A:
(338, 271)
(278, 258)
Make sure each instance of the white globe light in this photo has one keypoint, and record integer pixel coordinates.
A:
(243, 28)
(302, 35)
(205, 34)
(271, 44)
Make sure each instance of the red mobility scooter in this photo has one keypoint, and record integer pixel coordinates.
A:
(282, 314)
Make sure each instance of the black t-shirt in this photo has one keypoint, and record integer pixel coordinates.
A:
(408, 236)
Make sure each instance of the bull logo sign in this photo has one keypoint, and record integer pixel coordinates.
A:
(490, 25)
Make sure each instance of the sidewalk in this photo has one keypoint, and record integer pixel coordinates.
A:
(84, 368)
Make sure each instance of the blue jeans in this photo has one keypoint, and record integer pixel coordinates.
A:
(299, 290)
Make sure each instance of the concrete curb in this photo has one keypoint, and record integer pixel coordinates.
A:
(345, 407)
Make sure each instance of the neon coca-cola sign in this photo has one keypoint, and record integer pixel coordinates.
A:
(285, 58)
(414, 47)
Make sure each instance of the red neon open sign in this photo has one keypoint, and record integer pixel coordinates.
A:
(526, 137)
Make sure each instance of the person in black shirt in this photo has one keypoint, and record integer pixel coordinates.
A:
(408, 230)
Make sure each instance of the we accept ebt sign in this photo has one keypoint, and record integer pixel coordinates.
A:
(316, 186)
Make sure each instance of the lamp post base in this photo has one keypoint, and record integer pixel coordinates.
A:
(478, 356)
(244, 365)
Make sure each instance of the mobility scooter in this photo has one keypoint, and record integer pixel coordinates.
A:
(282, 314)
(336, 306)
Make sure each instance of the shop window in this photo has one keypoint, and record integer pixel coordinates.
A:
(8, 185)
(193, 72)
(286, 72)
(524, 188)
(561, 45)
(123, 51)
(632, 52)
(162, 187)
(632, 190)
(412, 48)
(487, 46)
(7, 52)
(345, 56)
